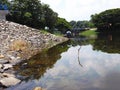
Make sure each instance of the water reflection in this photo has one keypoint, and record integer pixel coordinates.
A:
(79, 57)
(82, 40)
(37, 65)
(80, 64)
(110, 81)
(109, 43)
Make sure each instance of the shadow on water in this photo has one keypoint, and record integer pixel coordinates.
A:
(35, 67)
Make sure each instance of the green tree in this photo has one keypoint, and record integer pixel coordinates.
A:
(32, 13)
(91, 25)
(27, 12)
(4, 1)
(49, 16)
(81, 24)
(107, 20)
(73, 23)
(62, 25)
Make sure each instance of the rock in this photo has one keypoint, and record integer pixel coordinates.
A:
(15, 61)
(2, 61)
(8, 75)
(9, 81)
(7, 66)
(1, 65)
(37, 88)
(12, 57)
(1, 56)
(1, 68)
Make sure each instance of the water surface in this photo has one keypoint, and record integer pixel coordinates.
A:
(80, 64)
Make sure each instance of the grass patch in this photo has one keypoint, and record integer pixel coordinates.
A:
(23, 47)
(44, 31)
(19, 45)
(89, 32)
(58, 33)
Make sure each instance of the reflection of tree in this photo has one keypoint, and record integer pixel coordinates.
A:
(109, 43)
(81, 40)
(37, 65)
(79, 57)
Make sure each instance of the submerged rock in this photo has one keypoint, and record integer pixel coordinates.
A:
(9, 81)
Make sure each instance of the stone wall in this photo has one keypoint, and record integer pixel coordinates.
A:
(19, 42)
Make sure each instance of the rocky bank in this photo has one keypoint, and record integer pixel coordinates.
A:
(17, 43)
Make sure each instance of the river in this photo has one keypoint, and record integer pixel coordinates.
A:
(83, 63)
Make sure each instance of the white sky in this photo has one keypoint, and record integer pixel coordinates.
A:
(80, 9)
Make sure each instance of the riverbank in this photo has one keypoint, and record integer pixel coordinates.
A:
(89, 32)
(18, 43)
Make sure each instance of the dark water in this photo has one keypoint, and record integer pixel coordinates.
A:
(81, 64)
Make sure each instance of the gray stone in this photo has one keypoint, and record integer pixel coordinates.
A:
(7, 66)
(8, 75)
(1, 66)
(15, 61)
(9, 81)
(12, 57)
(2, 61)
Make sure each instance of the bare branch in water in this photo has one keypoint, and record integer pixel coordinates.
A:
(79, 57)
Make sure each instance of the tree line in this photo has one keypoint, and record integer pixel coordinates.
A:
(82, 24)
(38, 15)
(35, 14)
(108, 20)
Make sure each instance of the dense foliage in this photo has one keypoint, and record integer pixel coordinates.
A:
(3, 1)
(35, 14)
(82, 24)
(62, 25)
(107, 20)
(32, 13)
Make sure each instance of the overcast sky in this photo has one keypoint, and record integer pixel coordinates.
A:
(80, 9)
